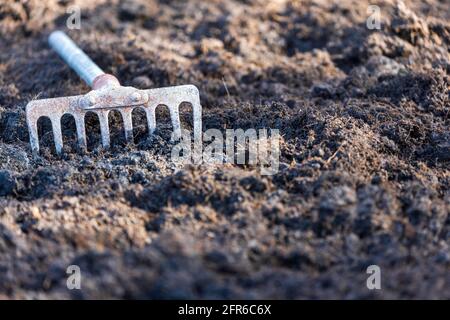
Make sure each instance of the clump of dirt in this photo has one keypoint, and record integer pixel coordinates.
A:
(364, 153)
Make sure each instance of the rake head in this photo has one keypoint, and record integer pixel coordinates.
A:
(107, 95)
(102, 101)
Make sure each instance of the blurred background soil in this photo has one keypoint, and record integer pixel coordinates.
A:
(365, 153)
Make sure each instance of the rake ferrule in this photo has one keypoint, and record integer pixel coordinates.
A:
(105, 80)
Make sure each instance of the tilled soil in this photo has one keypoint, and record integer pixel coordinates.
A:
(365, 151)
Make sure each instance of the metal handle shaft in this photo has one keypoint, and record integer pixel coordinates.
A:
(74, 57)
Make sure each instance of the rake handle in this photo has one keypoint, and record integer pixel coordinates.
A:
(76, 58)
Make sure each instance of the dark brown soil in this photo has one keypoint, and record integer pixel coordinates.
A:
(365, 153)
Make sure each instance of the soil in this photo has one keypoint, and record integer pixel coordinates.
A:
(364, 171)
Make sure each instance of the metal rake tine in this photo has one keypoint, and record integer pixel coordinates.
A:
(34, 137)
(104, 128)
(128, 124)
(176, 123)
(151, 120)
(197, 113)
(197, 116)
(81, 132)
(57, 133)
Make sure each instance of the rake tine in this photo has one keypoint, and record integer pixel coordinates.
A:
(127, 123)
(151, 119)
(198, 133)
(81, 132)
(34, 138)
(57, 134)
(197, 115)
(104, 127)
(176, 125)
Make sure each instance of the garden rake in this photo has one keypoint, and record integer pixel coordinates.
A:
(107, 94)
